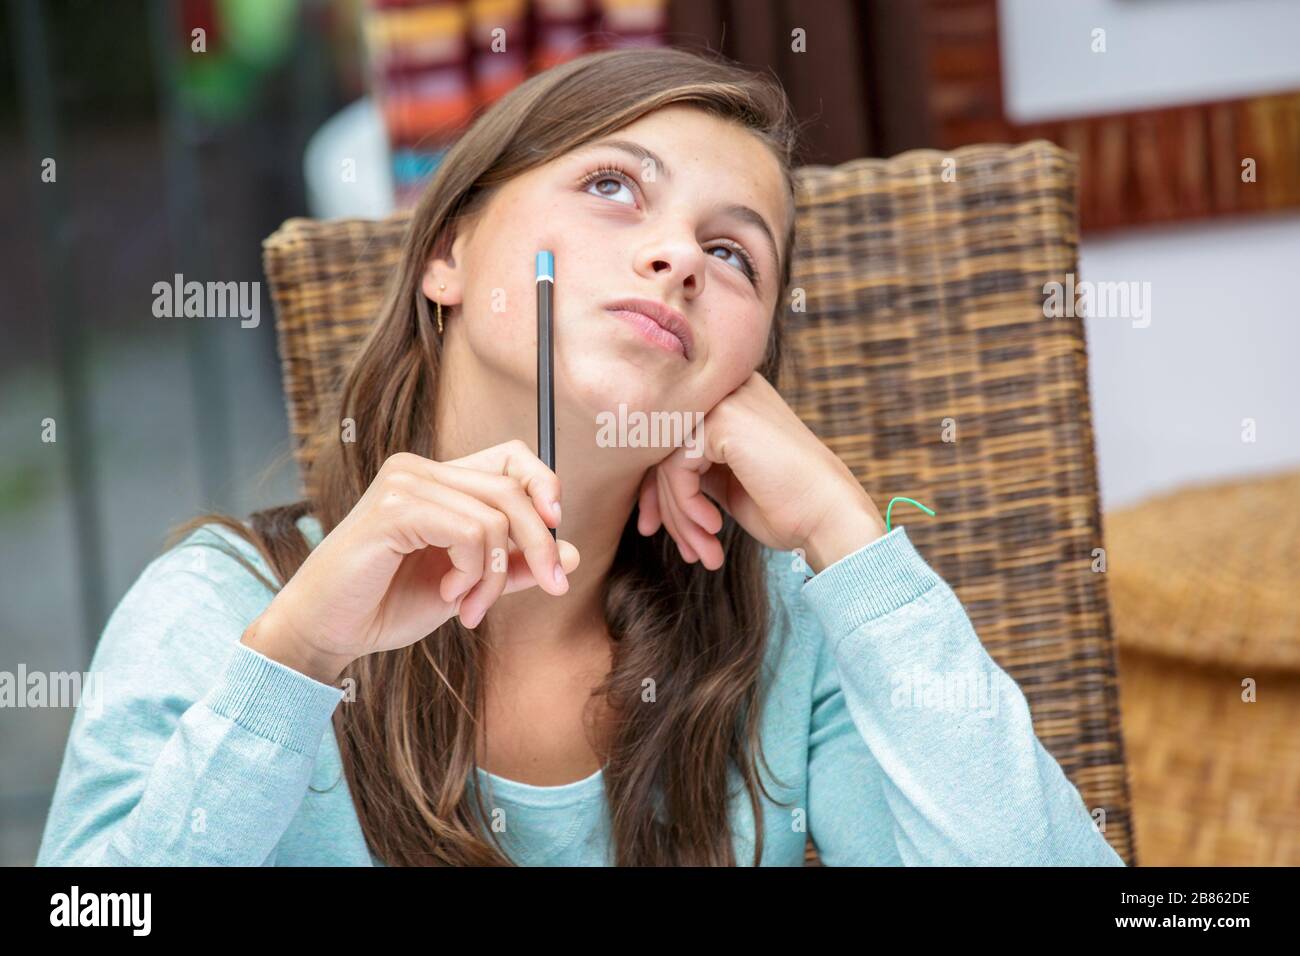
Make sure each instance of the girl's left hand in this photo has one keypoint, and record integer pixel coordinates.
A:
(755, 457)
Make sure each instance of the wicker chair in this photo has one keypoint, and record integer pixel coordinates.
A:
(924, 322)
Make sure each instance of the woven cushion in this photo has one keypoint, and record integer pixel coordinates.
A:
(1207, 574)
(1202, 583)
(924, 322)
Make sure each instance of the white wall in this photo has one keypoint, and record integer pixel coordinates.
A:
(1223, 345)
(1158, 53)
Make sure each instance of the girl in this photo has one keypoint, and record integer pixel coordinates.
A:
(723, 655)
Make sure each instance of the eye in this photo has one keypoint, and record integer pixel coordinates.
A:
(608, 174)
(622, 182)
(746, 260)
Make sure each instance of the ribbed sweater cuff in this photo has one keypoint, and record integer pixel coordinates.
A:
(881, 576)
(274, 701)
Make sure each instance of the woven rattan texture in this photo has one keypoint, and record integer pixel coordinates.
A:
(1207, 615)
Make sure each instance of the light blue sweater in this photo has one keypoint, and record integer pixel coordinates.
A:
(895, 738)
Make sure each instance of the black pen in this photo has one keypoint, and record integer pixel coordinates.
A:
(546, 363)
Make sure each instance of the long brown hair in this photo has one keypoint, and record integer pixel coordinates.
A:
(408, 740)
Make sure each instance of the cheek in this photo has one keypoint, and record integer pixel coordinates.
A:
(501, 293)
(500, 305)
(735, 350)
(501, 300)
(738, 342)
(582, 254)
(499, 316)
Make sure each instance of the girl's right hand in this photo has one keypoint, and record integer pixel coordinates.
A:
(426, 541)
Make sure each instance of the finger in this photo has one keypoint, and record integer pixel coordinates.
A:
(648, 518)
(673, 522)
(668, 517)
(481, 544)
(516, 460)
(716, 483)
(496, 531)
(488, 529)
(527, 529)
(700, 540)
(684, 477)
(507, 493)
(422, 515)
(520, 574)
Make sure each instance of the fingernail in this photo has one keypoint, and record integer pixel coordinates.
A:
(560, 579)
(555, 506)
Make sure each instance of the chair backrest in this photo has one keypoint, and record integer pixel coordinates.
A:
(920, 351)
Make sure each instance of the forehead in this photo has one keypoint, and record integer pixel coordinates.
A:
(694, 145)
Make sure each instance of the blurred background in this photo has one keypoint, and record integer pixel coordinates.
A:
(144, 138)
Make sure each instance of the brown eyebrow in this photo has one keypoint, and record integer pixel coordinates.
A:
(745, 214)
(637, 150)
(737, 210)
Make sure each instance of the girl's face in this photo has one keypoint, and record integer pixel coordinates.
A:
(679, 208)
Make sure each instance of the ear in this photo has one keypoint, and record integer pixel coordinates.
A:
(445, 272)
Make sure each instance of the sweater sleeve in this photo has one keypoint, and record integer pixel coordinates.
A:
(198, 750)
(922, 750)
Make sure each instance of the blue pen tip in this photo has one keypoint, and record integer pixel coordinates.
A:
(546, 265)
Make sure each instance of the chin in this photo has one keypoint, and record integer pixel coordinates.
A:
(591, 388)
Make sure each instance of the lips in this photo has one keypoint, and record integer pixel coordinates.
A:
(667, 318)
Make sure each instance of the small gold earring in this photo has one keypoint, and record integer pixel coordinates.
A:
(441, 285)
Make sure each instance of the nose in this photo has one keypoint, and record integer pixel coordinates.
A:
(677, 258)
